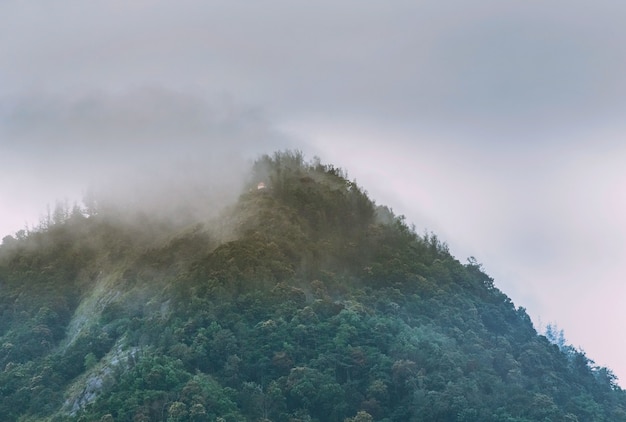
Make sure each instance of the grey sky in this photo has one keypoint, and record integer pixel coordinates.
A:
(499, 125)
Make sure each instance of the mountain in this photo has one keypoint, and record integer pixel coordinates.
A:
(302, 301)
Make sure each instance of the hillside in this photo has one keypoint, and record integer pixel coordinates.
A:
(303, 301)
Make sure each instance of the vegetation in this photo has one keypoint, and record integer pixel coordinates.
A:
(304, 302)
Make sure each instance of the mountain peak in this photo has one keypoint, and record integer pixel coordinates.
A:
(302, 300)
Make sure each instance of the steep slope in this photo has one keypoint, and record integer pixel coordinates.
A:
(305, 301)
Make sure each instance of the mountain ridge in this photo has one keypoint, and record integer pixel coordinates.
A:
(303, 301)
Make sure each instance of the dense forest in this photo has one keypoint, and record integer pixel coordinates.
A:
(303, 301)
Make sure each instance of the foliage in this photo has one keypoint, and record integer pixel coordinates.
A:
(305, 301)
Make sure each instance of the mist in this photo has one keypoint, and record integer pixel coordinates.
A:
(161, 153)
(498, 125)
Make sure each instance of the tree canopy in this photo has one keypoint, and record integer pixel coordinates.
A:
(303, 301)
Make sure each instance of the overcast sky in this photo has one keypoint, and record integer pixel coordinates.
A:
(498, 125)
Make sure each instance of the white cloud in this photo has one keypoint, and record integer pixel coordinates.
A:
(132, 146)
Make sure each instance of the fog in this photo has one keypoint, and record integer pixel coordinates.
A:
(150, 150)
(498, 125)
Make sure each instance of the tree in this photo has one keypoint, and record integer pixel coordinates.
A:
(177, 412)
(361, 416)
(555, 336)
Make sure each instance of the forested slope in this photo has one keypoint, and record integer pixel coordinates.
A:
(304, 301)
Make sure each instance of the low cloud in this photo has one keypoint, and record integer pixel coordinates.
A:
(149, 148)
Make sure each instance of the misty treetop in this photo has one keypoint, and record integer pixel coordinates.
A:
(301, 301)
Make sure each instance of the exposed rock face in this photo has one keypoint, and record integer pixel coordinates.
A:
(88, 388)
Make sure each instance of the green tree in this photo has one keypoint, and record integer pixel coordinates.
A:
(177, 412)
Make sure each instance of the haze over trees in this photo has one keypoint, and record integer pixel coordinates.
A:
(302, 301)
